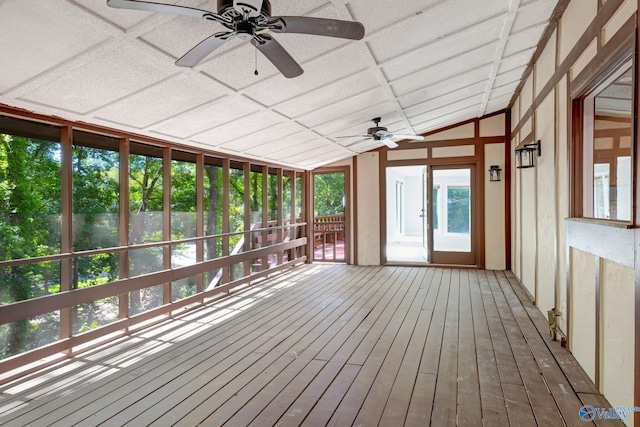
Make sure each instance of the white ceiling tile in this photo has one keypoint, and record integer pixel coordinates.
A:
(32, 45)
(443, 101)
(517, 60)
(533, 13)
(509, 77)
(379, 14)
(255, 139)
(428, 124)
(445, 49)
(208, 116)
(326, 95)
(239, 128)
(126, 70)
(169, 98)
(297, 8)
(506, 90)
(339, 109)
(462, 105)
(317, 73)
(172, 38)
(443, 19)
(289, 144)
(523, 40)
(360, 121)
(443, 72)
(415, 93)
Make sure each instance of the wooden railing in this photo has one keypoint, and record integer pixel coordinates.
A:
(32, 360)
(328, 230)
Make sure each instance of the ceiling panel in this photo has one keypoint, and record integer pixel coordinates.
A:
(443, 19)
(442, 72)
(205, 117)
(329, 94)
(239, 128)
(524, 40)
(444, 49)
(517, 60)
(416, 94)
(533, 13)
(321, 71)
(422, 64)
(376, 15)
(123, 71)
(170, 97)
(32, 45)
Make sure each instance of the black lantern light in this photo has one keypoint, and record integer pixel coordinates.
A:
(524, 155)
(494, 173)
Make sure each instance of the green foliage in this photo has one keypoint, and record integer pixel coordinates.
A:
(29, 176)
(95, 208)
(458, 210)
(329, 194)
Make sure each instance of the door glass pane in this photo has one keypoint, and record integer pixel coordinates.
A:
(452, 208)
(406, 211)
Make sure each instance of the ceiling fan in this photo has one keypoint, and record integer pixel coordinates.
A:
(250, 20)
(379, 133)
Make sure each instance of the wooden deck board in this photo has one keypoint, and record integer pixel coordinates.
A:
(326, 345)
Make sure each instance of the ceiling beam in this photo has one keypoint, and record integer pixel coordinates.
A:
(374, 67)
(514, 5)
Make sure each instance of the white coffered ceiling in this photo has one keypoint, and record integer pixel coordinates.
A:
(422, 65)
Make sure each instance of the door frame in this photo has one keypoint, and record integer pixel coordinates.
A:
(347, 209)
(456, 258)
(478, 213)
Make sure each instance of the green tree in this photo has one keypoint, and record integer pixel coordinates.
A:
(28, 175)
(95, 208)
(329, 193)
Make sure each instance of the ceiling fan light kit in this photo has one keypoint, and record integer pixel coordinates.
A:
(250, 20)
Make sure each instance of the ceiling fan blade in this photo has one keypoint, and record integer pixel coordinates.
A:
(279, 57)
(389, 143)
(412, 137)
(318, 26)
(165, 8)
(203, 49)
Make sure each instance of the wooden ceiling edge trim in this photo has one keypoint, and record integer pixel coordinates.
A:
(603, 16)
(23, 114)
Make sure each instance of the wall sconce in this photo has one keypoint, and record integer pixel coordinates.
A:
(494, 173)
(524, 155)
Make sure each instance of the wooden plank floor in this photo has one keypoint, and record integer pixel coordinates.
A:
(326, 345)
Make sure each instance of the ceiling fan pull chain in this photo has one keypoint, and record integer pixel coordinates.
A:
(256, 71)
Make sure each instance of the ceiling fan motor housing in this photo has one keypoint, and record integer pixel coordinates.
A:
(252, 8)
(374, 132)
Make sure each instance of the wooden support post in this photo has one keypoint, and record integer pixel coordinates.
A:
(123, 273)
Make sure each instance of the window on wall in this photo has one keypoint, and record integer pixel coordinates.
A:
(606, 115)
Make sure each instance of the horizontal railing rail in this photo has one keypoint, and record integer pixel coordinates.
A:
(148, 245)
(66, 299)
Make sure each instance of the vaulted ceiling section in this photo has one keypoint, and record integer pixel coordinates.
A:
(422, 65)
